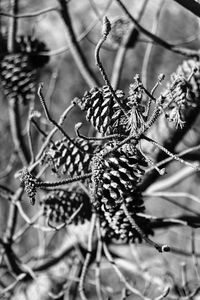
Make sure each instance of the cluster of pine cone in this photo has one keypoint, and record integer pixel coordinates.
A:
(116, 166)
(117, 171)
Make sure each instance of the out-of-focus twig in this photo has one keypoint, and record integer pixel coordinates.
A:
(193, 6)
(81, 36)
(87, 258)
(120, 274)
(30, 15)
(145, 63)
(171, 180)
(57, 256)
(16, 130)
(194, 256)
(130, 36)
(75, 48)
(183, 51)
(9, 167)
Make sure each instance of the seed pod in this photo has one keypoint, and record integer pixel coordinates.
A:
(61, 205)
(18, 70)
(29, 182)
(67, 158)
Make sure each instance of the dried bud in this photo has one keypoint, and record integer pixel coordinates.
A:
(161, 77)
(29, 182)
(106, 27)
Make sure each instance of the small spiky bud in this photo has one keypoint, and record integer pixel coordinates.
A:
(68, 158)
(59, 206)
(136, 112)
(106, 27)
(119, 28)
(29, 182)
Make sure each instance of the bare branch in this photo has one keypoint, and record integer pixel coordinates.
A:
(75, 49)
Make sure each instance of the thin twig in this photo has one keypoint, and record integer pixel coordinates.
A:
(145, 63)
(30, 15)
(172, 195)
(193, 6)
(49, 118)
(183, 51)
(159, 247)
(16, 130)
(80, 37)
(62, 182)
(87, 258)
(98, 261)
(120, 274)
(167, 160)
(121, 53)
(194, 166)
(105, 32)
(75, 49)
(9, 166)
(194, 256)
(171, 181)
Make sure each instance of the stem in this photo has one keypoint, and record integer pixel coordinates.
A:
(12, 30)
(131, 36)
(16, 130)
(193, 6)
(49, 118)
(157, 39)
(62, 182)
(29, 15)
(101, 68)
(75, 49)
(87, 258)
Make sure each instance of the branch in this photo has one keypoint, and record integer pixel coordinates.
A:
(75, 49)
(192, 5)
(16, 130)
(30, 15)
(157, 39)
(57, 255)
(130, 37)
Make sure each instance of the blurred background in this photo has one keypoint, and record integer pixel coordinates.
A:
(148, 270)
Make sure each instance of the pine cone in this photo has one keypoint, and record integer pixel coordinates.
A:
(116, 175)
(117, 225)
(68, 158)
(18, 70)
(102, 110)
(61, 205)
